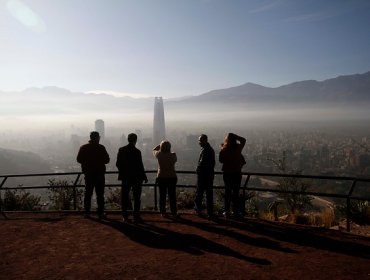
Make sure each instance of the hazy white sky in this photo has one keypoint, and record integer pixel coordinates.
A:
(179, 47)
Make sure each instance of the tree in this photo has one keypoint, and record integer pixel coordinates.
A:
(295, 200)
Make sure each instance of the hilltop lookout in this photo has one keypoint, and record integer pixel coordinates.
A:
(67, 246)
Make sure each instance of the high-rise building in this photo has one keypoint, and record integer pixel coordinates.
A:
(99, 127)
(159, 128)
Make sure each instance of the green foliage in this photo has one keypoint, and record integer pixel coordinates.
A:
(360, 212)
(251, 204)
(20, 200)
(62, 196)
(185, 199)
(113, 199)
(296, 201)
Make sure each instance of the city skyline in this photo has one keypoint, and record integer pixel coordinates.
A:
(173, 48)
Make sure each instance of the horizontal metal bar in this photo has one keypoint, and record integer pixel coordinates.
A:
(259, 174)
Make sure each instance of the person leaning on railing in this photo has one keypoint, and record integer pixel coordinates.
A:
(232, 162)
(166, 176)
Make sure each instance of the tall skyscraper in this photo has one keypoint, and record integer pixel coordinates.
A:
(159, 128)
(99, 127)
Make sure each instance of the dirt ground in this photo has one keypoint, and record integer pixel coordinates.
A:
(66, 246)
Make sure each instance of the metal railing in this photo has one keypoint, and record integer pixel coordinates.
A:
(247, 175)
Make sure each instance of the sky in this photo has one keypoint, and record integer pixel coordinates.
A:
(175, 48)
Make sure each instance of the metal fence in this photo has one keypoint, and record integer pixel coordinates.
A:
(348, 196)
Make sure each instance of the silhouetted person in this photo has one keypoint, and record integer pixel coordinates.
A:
(93, 158)
(205, 176)
(233, 161)
(132, 174)
(166, 176)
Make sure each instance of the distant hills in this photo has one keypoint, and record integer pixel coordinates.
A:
(351, 92)
(55, 101)
(20, 162)
(343, 90)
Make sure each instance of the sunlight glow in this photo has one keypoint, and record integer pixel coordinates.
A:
(26, 16)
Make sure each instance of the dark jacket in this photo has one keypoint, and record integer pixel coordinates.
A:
(130, 164)
(206, 162)
(93, 158)
(232, 159)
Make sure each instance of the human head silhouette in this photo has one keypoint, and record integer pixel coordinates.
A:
(203, 140)
(165, 146)
(94, 136)
(132, 138)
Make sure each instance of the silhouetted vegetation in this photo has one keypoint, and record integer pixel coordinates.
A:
(185, 199)
(113, 199)
(62, 196)
(20, 200)
(295, 201)
(360, 211)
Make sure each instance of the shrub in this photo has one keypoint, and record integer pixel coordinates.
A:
(20, 200)
(359, 211)
(185, 199)
(113, 199)
(62, 196)
(295, 202)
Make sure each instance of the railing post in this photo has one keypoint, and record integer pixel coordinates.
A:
(74, 192)
(155, 196)
(349, 205)
(245, 184)
(1, 201)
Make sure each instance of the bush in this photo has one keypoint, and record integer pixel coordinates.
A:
(20, 200)
(185, 199)
(113, 199)
(359, 211)
(295, 201)
(62, 196)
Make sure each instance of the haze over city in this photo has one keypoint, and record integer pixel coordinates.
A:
(256, 67)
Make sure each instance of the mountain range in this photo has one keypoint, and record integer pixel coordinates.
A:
(351, 91)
